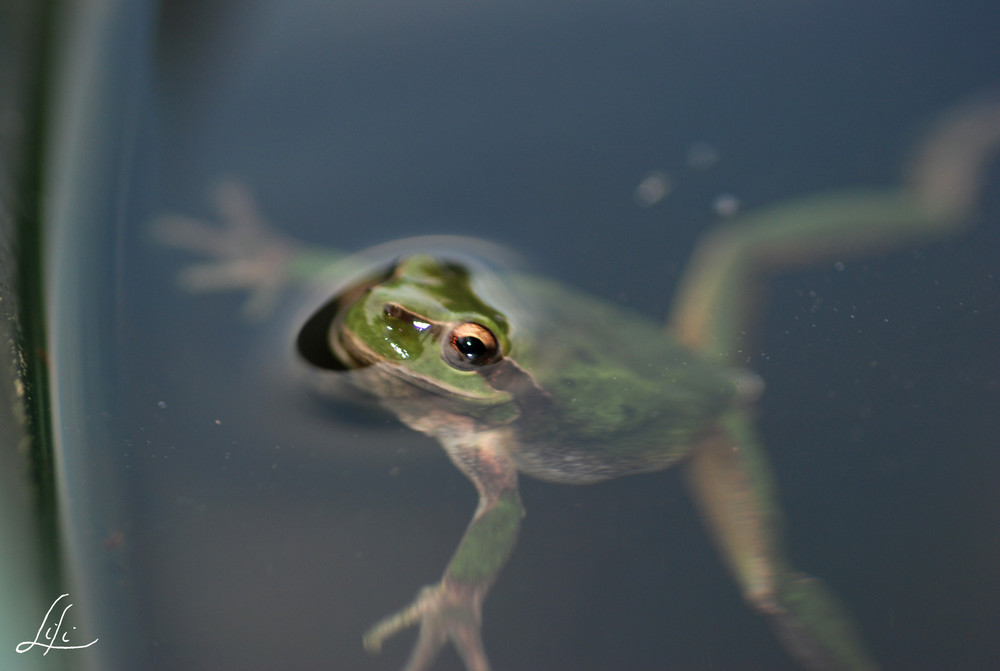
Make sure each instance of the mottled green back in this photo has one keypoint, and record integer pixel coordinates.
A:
(624, 396)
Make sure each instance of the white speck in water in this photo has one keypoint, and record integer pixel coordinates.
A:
(839, 265)
(653, 188)
(726, 205)
(162, 405)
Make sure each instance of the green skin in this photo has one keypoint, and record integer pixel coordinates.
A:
(561, 386)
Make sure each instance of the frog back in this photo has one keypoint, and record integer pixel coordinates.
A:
(620, 396)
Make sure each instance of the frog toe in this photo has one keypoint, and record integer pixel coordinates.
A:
(444, 614)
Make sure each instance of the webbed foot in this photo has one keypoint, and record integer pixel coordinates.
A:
(445, 612)
(242, 253)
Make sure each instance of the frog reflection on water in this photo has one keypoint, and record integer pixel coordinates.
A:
(514, 373)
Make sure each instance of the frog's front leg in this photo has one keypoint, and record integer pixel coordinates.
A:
(451, 609)
(242, 252)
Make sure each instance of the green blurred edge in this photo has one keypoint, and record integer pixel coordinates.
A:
(30, 557)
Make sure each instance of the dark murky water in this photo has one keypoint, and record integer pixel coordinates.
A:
(221, 517)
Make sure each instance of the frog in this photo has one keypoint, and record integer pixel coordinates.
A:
(515, 374)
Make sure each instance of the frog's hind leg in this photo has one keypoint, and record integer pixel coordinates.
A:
(715, 303)
(731, 483)
(729, 474)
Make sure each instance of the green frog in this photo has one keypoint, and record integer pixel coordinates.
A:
(517, 374)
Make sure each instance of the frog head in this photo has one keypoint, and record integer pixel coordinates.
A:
(424, 328)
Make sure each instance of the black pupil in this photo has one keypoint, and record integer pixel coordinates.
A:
(471, 348)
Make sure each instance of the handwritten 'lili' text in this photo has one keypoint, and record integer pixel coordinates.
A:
(51, 640)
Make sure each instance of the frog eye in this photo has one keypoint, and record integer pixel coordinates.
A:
(470, 345)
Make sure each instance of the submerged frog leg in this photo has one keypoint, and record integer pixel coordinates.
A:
(731, 483)
(242, 252)
(715, 302)
(729, 475)
(443, 612)
(452, 609)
